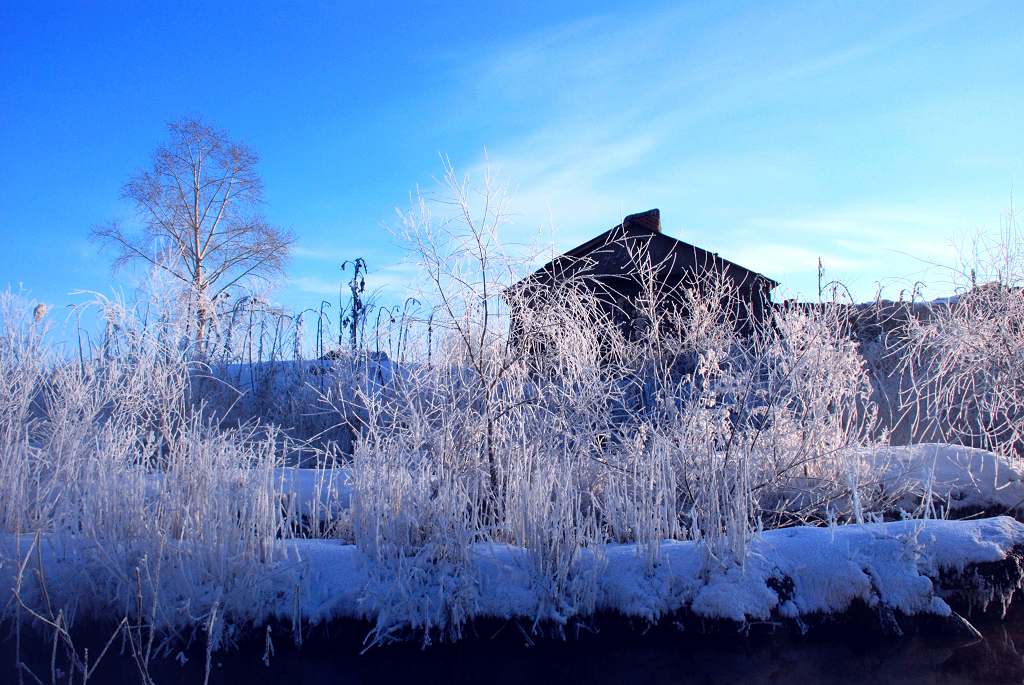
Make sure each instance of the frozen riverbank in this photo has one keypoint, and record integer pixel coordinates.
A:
(612, 653)
(796, 575)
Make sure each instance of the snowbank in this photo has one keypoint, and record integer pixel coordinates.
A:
(318, 493)
(959, 477)
(890, 564)
(793, 573)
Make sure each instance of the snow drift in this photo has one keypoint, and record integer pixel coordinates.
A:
(797, 574)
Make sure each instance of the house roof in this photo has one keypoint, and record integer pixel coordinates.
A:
(645, 225)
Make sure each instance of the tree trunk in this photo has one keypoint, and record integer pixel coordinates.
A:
(201, 313)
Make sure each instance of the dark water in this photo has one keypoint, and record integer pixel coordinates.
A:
(617, 656)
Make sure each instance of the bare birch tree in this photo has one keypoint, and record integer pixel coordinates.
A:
(199, 208)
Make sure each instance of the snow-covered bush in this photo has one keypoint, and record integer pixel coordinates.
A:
(574, 430)
(169, 519)
(965, 359)
(413, 521)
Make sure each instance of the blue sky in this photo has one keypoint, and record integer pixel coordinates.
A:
(872, 134)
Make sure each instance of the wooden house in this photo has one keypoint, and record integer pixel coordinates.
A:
(635, 259)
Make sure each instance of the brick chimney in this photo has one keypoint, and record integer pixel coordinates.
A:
(649, 221)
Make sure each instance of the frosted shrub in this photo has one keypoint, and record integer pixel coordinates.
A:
(548, 514)
(411, 525)
(642, 495)
(23, 359)
(167, 517)
(965, 358)
(968, 370)
(814, 412)
(418, 502)
(675, 421)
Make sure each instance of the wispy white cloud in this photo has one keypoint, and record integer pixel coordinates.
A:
(318, 253)
(387, 282)
(736, 122)
(870, 230)
(631, 99)
(782, 259)
(314, 285)
(867, 247)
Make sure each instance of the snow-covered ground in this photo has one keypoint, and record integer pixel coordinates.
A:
(315, 492)
(956, 477)
(886, 564)
(433, 585)
(789, 573)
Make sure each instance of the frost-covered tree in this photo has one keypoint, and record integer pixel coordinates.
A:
(198, 206)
